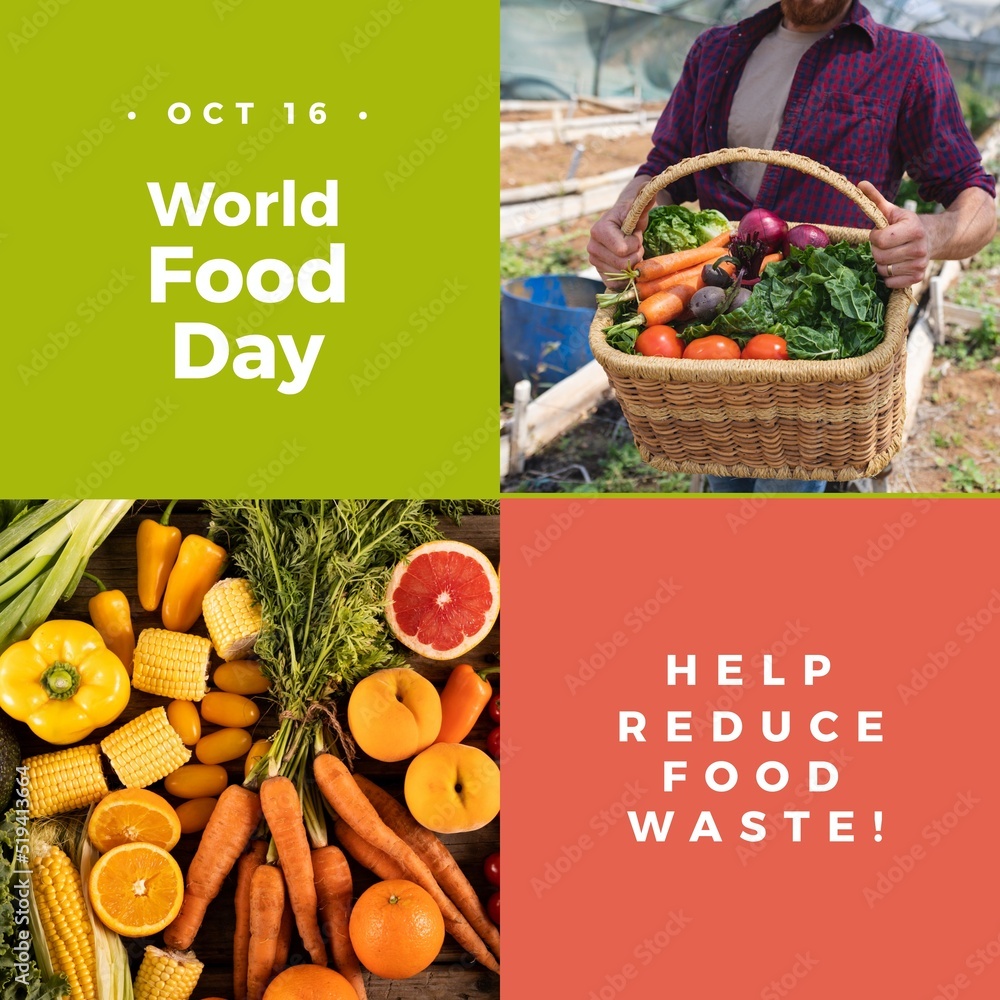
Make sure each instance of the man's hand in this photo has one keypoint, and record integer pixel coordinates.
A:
(902, 249)
(609, 248)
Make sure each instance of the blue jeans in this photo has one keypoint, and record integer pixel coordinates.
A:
(732, 484)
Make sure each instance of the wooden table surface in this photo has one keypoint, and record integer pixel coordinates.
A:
(454, 976)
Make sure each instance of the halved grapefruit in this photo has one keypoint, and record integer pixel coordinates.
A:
(442, 599)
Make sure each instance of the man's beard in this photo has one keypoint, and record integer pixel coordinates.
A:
(808, 13)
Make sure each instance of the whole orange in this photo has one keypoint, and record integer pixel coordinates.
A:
(396, 928)
(309, 982)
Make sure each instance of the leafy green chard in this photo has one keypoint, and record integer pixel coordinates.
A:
(825, 302)
(319, 569)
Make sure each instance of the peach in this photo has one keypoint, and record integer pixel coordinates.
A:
(452, 788)
(394, 713)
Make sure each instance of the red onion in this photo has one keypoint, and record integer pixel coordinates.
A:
(804, 236)
(767, 227)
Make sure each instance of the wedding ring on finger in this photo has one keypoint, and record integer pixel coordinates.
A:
(888, 270)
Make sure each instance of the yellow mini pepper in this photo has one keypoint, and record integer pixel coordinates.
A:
(199, 565)
(112, 617)
(156, 546)
(63, 681)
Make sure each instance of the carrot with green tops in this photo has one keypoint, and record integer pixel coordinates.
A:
(248, 864)
(334, 889)
(342, 792)
(267, 901)
(283, 811)
(233, 820)
(436, 856)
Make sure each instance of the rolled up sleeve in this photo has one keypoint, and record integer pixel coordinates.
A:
(938, 150)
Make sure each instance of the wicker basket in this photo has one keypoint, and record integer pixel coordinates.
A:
(835, 420)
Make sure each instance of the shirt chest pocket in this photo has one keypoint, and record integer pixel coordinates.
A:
(850, 133)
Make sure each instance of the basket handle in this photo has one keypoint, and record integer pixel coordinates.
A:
(743, 154)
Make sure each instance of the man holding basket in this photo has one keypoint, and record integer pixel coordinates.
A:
(825, 80)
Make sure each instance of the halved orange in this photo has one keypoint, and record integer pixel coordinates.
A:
(133, 815)
(136, 889)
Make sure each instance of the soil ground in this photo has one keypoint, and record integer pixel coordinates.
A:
(521, 165)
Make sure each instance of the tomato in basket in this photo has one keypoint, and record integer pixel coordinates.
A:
(766, 347)
(712, 347)
(659, 342)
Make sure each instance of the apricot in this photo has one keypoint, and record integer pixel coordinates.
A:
(394, 713)
(452, 788)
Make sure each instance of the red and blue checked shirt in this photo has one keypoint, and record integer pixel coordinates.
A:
(867, 100)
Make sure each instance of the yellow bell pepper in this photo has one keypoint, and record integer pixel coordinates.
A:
(63, 681)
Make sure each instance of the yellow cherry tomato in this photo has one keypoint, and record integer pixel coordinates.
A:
(223, 745)
(196, 781)
(184, 717)
(260, 749)
(195, 814)
(241, 677)
(225, 709)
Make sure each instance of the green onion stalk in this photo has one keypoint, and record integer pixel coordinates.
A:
(319, 570)
(44, 551)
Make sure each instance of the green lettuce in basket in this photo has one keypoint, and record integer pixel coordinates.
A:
(673, 227)
(825, 302)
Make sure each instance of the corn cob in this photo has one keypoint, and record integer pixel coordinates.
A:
(233, 618)
(63, 915)
(145, 749)
(65, 780)
(172, 664)
(167, 975)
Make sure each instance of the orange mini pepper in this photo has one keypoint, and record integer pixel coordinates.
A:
(464, 697)
(112, 617)
(156, 546)
(199, 565)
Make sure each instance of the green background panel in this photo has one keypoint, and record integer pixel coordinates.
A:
(400, 400)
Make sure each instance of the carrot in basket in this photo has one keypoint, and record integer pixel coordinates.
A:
(341, 791)
(665, 306)
(436, 856)
(248, 864)
(693, 274)
(771, 258)
(284, 945)
(283, 811)
(267, 901)
(233, 821)
(334, 890)
(671, 263)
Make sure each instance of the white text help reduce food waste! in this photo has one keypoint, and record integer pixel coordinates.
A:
(219, 280)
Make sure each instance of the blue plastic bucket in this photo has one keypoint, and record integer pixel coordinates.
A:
(544, 326)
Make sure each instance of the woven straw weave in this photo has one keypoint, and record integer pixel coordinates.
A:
(835, 420)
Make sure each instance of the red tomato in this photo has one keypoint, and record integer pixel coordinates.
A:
(659, 342)
(495, 708)
(766, 347)
(493, 742)
(493, 908)
(491, 868)
(712, 346)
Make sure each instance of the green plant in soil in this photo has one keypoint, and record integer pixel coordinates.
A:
(968, 477)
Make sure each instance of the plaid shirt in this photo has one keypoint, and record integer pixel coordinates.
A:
(867, 100)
